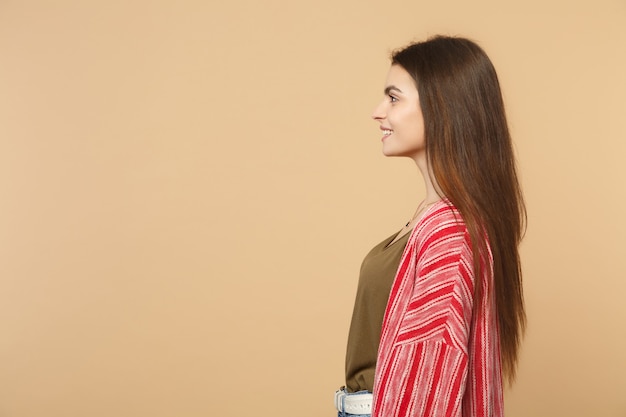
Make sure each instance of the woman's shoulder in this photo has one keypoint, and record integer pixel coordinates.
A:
(441, 224)
(442, 215)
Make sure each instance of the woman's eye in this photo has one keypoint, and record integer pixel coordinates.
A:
(392, 99)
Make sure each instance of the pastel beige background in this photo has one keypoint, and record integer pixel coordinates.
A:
(188, 188)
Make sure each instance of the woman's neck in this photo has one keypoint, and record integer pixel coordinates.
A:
(433, 192)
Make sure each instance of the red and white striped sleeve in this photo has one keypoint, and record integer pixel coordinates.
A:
(426, 343)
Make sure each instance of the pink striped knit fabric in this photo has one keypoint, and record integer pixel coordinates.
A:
(438, 356)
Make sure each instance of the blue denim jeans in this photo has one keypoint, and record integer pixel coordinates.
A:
(344, 414)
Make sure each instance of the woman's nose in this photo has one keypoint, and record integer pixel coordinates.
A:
(379, 112)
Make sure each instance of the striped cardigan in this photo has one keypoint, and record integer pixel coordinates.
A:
(438, 356)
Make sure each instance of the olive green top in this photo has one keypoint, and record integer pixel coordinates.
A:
(378, 271)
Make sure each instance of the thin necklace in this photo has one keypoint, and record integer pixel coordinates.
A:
(423, 206)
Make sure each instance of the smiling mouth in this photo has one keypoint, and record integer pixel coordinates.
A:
(387, 132)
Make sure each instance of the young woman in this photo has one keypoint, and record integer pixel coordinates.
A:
(439, 311)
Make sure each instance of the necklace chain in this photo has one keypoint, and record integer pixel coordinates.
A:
(423, 206)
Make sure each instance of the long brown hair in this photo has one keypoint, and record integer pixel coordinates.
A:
(469, 151)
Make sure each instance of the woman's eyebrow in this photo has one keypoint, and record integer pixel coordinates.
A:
(391, 88)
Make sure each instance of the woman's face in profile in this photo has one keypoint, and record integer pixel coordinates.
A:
(400, 116)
